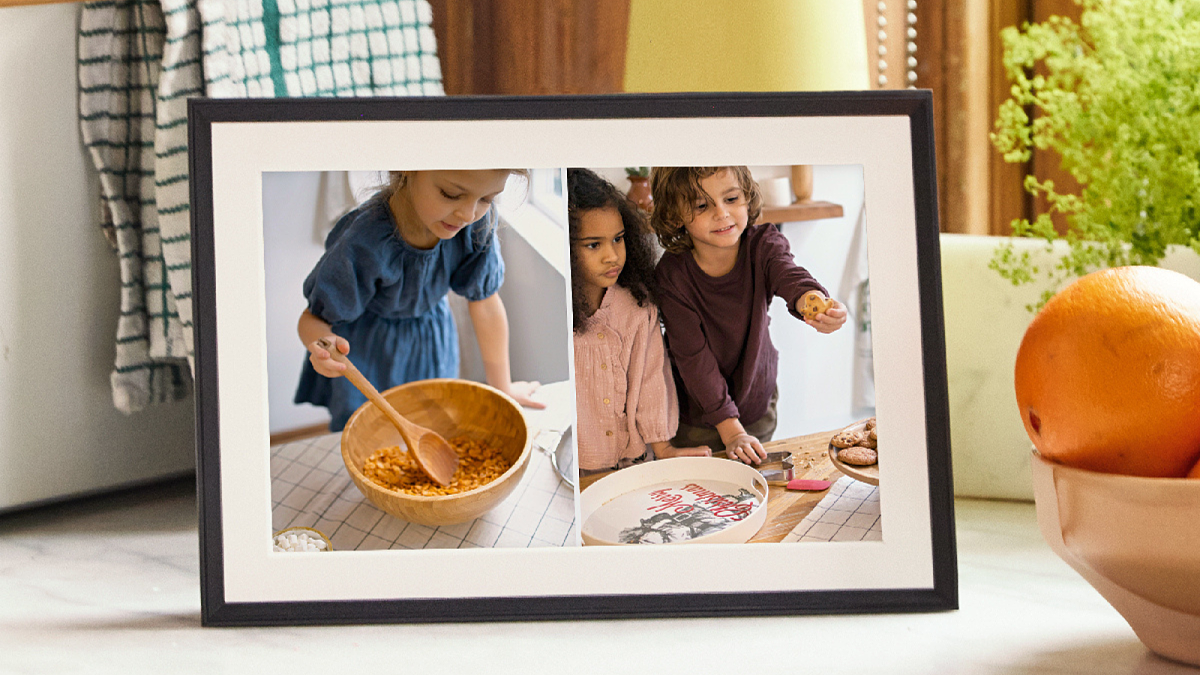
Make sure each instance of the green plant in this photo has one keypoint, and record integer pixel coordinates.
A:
(1116, 96)
(637, 171)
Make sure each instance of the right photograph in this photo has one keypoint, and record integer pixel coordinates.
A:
(724, 373)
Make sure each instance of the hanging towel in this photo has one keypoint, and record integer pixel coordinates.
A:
(300, 48)
(855, 288)
(139, 62)
(120, 52)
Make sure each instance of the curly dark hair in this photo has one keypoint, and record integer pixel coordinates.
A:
(587, 191)
(675, 189)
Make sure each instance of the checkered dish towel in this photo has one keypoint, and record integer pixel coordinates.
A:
(139, 62)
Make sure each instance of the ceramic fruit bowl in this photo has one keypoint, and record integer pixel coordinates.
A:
(454, 409)
(1135, 540)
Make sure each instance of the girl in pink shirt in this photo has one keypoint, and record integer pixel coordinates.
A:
(626, 407)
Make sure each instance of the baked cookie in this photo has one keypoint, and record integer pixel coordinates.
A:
(869, 425)
(857, 456)
(845, 439)
(814, 304)
(869, 441)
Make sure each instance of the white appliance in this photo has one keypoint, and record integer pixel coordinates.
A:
(60, 435)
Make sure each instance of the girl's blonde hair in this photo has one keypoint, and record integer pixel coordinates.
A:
(398, 179)
(676, 188)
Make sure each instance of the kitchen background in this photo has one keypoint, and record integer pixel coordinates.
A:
(817, 383)
(57, 313)
(299, 209)
(825, 381)
(60, 434)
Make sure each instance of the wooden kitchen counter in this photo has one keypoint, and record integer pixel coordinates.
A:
(786, 508)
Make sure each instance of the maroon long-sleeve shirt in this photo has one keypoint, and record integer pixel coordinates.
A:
(716, 327)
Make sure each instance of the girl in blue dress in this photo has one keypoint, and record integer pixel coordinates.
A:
(380, 289)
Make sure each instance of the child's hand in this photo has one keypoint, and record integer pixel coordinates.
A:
(829, 320)
(522, 393)
(745, 448)
(672, 451)
(321, 360)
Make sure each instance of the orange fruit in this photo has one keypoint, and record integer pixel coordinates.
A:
(1108, 373)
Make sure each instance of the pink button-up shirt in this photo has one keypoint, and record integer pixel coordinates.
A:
(623, 391)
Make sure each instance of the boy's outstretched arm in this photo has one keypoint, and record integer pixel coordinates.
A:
(491, 330)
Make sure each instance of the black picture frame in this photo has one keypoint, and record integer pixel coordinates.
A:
(905, 145)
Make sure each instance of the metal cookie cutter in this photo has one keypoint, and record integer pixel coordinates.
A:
(772, 457)
(776, 469)
(785, 472)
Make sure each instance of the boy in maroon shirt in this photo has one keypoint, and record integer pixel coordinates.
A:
(715, 285)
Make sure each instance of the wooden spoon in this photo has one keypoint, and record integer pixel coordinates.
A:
(431, 452)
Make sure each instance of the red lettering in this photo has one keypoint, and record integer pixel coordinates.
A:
(666, 498)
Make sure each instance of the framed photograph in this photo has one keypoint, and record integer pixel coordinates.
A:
(562, 347)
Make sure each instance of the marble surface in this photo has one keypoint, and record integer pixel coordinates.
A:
(111, 585)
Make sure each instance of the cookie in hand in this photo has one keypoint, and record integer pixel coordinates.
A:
(814, 304)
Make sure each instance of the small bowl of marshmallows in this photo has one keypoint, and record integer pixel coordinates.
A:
(300, 540)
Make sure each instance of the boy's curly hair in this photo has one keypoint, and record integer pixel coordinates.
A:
(676, 188)
(587, 191)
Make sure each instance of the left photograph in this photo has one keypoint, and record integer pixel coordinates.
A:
(418, 347)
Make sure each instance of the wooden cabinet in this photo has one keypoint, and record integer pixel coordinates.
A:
(959, 57)
(531, 46)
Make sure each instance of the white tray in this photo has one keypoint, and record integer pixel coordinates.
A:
(675, 501)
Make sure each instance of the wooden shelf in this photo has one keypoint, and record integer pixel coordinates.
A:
(18, 3)
(799, 211)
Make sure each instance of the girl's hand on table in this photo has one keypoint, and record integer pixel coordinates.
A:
(829, 320)
(323, 362)
(746, 448)
(672, 451)
(522, 393)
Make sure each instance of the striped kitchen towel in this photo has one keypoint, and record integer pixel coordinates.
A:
(120, 52)
(139, 62)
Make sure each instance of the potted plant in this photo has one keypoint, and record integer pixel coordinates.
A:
(639, 187)
(1115, 95)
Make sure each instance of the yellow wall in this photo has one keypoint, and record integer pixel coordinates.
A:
(746, 45)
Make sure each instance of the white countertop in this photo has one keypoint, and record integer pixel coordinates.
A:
(112, 585)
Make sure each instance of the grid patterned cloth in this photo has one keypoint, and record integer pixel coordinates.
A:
(139, 62)
(849, 512)
(310, 488)
(120, 52)
(320, 48)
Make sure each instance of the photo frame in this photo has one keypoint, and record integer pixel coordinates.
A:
(235, 143)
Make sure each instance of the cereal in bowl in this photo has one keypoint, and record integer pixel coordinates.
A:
(393, 469)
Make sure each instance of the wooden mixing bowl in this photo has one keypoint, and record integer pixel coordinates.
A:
(454, 409)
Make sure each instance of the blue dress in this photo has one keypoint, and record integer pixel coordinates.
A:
(388, 300)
